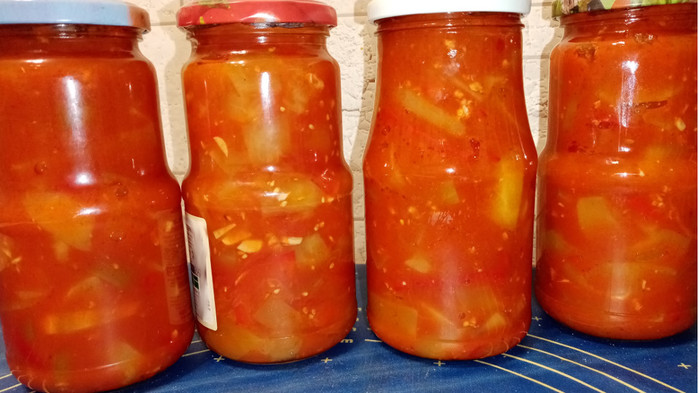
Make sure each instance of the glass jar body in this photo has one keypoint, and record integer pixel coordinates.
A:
(449, 176)
(271, 192)
(617, 228)
(94, 293)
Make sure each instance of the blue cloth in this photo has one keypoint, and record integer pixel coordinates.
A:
(551, 358)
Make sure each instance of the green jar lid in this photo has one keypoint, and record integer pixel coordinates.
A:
(567, 7)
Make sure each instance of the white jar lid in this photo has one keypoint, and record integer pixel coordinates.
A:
(87, 12)
(380, 9)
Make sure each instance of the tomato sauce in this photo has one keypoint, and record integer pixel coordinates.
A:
(449, 179)
(269, 190)
(94, 292)
(618, 224)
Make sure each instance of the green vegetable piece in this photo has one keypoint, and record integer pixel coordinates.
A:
(508, 193)
(278, 316)
(62, 216)
(429, 112)
(448, 193)
(419, 264)
(595, 215)
(403, 317)
(312, 252)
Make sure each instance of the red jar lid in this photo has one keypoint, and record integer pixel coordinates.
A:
(210, 12)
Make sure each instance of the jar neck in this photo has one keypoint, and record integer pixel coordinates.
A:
(453, 20)
(443, 48)
(273, 38)
(662, 18)
(69, 39)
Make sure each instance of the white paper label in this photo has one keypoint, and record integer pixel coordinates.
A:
(200, 259)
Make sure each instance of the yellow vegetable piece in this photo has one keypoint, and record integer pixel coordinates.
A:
(254, 107)
(223, 230)
(448, 327)
(403, 317)
(478, 300)
(282, 348)
(241, 343)
(237, 342)
(127, 358)
(6, 252)
(426, 110)
(419, 264)
(235, 236)
(61, 250)
(113, 274)
(68, 220)
(496, 323)
(630, 279)
(293, 192)
(278, 316)
(250, 246)
(77, 321)
(296, 88)
(448, 193)
(292, 241)
(267, 141)
(660, 243)
(20, 300)
(84, 289)
(312, 252)
(222, 145)
(508, 193)
(554, 241)
(303, 193)
(72, 322)
(595, 215)
(394, 176)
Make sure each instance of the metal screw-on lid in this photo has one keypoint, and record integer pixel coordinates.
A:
(209, 12)
(380, 9)
(88, 12)
(567, 7)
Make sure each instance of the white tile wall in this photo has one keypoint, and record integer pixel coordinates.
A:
(352, 43)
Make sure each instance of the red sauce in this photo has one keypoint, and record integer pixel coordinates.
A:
(618, 227)
(269, 179)
(93, 282)
(449, 181)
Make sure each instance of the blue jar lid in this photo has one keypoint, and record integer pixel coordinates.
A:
(87, 12)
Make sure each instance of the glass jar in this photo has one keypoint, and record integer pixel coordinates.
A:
(94, 293)
(268, 195)
(617, 239)
(449, 177)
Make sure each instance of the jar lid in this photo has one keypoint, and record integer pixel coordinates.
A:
(83, 12)
(380, 9)
(567, 7)
(209, 12)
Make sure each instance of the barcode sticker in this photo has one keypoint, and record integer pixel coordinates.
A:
(202, 282)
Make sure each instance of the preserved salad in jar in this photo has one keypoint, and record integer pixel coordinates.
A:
(268, 195)
(617, 233)
(94, 293)
(449, 176)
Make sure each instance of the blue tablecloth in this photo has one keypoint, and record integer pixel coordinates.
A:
(550, 358)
